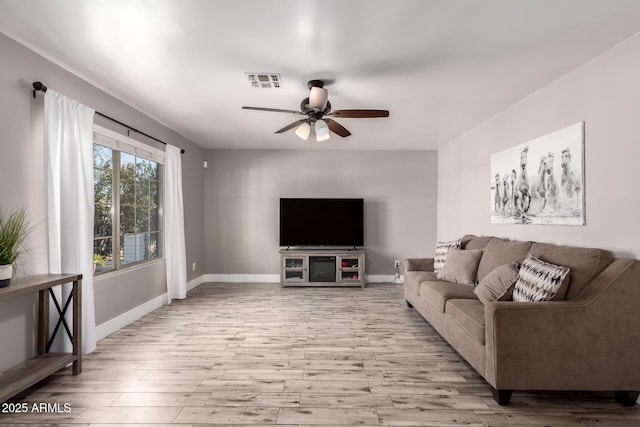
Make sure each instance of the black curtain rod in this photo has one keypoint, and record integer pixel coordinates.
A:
(38, 86)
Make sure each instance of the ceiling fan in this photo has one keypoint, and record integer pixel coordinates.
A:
(317, 110)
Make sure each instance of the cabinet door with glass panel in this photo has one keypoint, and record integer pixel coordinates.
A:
(350, 268)
(295, 269)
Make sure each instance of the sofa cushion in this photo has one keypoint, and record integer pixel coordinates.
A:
(438, 292)
(469, 315)
(472, 242)
(498, 285)
(441, 253)
(540, 281)
(500, 252)
(412, 281)
(461, 266)
(585, 263)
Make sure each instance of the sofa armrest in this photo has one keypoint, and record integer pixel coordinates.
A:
(590, 342)
(418, 264)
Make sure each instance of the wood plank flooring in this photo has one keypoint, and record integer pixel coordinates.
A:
(258, 354)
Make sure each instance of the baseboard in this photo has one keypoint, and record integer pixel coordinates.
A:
(110, 326)
(238, 278)
(382, 278)
(192, 284)
(275, 278)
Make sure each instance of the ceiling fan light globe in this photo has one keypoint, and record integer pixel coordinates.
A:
(303, 131)
(322, 130)
(318, 98)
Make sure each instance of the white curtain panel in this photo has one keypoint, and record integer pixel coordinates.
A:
(68, 148)
(174, 245)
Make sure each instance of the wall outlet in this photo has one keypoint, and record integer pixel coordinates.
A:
(396, 263)
(193, 267)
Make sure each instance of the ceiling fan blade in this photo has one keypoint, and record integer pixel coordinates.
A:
(359, 114)
(337, 128)
(291, 126)
(274, 110)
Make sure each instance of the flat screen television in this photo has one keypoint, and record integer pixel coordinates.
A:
(321, 222)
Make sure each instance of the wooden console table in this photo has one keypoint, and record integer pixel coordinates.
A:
(28, 373)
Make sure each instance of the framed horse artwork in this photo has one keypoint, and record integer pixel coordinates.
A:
(540, 181)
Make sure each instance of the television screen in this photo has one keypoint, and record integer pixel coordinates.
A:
(321, 222)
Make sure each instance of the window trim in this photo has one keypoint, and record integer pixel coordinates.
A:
(122, 143)
(116, 141)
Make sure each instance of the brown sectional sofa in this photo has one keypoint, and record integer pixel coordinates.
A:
(588, 341)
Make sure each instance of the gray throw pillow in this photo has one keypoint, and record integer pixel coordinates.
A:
(498, 284)
(461, 266)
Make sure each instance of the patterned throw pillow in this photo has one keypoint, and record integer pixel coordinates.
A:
(538, 280)
(441, 253)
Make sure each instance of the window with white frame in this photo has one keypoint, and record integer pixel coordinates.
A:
(128, 202)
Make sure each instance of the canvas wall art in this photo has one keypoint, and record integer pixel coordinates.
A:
(540, 181)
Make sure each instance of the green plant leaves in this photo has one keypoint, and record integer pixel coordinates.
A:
(14, 229)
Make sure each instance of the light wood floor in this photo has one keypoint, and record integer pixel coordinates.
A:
(258, 354)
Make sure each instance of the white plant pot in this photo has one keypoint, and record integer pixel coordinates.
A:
(6, 271)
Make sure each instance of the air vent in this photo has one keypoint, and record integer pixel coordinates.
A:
(264, 80)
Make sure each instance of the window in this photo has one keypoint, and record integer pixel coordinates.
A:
(103, 205)
(128, 206)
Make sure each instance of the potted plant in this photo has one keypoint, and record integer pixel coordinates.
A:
(14, 229)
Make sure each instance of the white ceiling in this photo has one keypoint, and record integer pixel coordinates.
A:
(440, 66)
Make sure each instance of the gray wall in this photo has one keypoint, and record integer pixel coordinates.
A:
(21, 185)
(243, 187)
(605, 93)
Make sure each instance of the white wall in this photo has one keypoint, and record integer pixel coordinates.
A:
(243, 189)
(605, 93)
